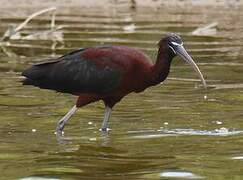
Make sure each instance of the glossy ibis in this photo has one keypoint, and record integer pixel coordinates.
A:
(106, 73)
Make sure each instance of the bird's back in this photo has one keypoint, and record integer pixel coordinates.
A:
(89, 70)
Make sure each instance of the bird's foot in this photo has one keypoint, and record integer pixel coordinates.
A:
(105, 129)
(60, 127)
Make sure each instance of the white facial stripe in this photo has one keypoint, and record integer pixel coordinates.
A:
(176, 44)
(172, 49)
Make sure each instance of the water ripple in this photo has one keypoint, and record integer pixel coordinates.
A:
(163, 132)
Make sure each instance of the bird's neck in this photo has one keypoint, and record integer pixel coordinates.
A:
(161, 68)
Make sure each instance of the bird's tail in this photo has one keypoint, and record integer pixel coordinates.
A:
(27, 81)
(33, 76)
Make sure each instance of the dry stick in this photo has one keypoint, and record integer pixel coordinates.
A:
(22, 25)
(54, 42)
(53, 19)
(202, 30)
(32, 16)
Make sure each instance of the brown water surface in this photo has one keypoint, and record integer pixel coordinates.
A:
(174, 130)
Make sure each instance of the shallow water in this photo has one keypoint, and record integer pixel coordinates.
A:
(174, 130)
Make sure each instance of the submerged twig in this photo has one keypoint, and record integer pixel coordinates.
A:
(7, 51)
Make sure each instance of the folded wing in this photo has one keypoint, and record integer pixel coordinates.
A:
(75, 73)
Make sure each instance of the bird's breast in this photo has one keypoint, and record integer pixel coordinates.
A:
(136, 81)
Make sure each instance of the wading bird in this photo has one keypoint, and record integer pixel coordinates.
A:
(106, 73)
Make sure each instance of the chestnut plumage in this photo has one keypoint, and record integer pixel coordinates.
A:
(106, 73)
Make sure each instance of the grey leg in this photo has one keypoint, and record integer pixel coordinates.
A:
(106, 118)
(61, 123)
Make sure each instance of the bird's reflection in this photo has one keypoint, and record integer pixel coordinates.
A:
(105, 138)
(64, 141)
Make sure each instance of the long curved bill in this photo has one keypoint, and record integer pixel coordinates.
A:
(180, 50)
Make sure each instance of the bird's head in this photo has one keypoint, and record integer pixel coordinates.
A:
(173, 44)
